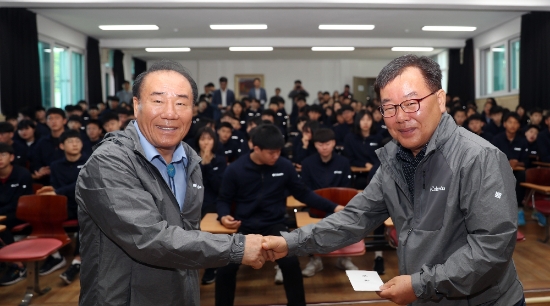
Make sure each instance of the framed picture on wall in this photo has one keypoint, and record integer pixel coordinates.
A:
(244, 82)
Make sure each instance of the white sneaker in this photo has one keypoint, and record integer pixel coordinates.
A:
(345, 263)
(314, 265)
(278, 276)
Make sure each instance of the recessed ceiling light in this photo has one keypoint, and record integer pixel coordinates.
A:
(413, 49)
(128, 27)
(332, 48)
(250, 48)
(346, 27)
(238, 26)
(167, 49)
(448, 28)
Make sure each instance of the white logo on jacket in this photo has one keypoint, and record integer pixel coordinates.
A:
(440, 188)
(277, 174)
(498, 195)
(199, 187)
(337, 172)
(14, 185)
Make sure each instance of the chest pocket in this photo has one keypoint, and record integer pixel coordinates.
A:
(435, 186)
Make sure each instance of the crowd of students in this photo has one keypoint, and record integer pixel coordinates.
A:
(320, 143)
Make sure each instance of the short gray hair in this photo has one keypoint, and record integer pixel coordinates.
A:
(429, 68)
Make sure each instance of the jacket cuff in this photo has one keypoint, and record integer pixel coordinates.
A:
(416, 281)
(291, 242)
(237, 249)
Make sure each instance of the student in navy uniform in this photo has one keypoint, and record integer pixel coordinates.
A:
(381, 128)
(212, 167)
(543, 141)
(255, 109)
(15, 181)
(94, 134)
(535, 117)
(495, 126)
(278, 117)
(513, 143)
(47, 149)
(228, 147)
(238, 110)
(302, 145)
(19, 149)
(64, 173)
(359, 146)
(238, 137)
(531, 134)
(110, 122)
(256, 184)
(476, 124)
(459, 115)
(342, 130)
(26, 130)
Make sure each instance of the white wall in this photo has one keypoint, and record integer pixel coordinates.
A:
(316, 75)
(60, 33)
(503, 32)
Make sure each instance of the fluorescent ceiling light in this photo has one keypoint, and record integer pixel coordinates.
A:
(250, 48)
(346, 27)
(167, 49)
(332, 48)
(497, 49)
(126, 27)
(238, 26)
(413, 49)
(448, 28)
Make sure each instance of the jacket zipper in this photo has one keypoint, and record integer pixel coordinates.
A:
(407, 238)
(423, 179)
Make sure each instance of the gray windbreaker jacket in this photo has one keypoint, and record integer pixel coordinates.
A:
(137, 247)
(456, 240)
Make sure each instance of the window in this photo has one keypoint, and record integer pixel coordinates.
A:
(500, 67)
(62, 77)
(44, 52)
(78, 89)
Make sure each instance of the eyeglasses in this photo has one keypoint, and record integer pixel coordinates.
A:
(408, 106)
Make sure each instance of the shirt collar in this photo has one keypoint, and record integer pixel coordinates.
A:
(152, 153)
(407, 155)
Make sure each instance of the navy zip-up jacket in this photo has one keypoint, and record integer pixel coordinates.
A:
(63, 179)
(360, 150)
(340, 131)
(46, 151)
(335, 173)
(515, 149)
(17, 184)
(212, 175)
(543, 143)
(258, 192)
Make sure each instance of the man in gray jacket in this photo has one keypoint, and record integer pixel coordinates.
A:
(140, 197)
(449, 192)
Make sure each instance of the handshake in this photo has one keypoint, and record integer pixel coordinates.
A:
(259, 249)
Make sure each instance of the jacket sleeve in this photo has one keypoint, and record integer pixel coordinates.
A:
(111, 193)
(214, 177)
(488, 204)
(362, 214)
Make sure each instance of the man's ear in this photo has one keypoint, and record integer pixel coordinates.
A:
(441, 100)
(62, 146)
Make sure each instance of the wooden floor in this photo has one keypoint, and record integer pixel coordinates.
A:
(328, 287)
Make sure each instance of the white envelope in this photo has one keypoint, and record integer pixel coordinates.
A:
(364, 280)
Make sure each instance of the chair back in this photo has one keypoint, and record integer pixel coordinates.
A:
(46, 214)
(538, 176)
(338, 195)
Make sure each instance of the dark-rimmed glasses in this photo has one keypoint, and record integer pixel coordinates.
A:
(408, 106)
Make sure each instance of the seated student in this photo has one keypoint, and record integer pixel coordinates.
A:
(93, 112)
(359, 146)
(93, 136)
(495, 127)
(302, 145)
(47, 148)
(238, 110)
(15, 181)
(524, 120)
(459, 115)
(535, 117)
(110, 122)
(237, 136)
(476, 124)
(255, 109)
(299, 104)
(278, 117)
(212, 167)
(321, 170)
(515, 146)
(379, 124)
(531, 133)
(205, 110)
(543, 142)
(19, 149)
(228, 148)
(26, 130)
(343, 129)
(315, 113)
(75, 123)
(256, 184)
(64, 173)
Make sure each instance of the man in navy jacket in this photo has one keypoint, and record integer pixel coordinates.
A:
(258, 92)
(222, 98)
(256, 183)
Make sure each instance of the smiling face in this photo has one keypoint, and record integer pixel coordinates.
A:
(412, 130)
(164, 110)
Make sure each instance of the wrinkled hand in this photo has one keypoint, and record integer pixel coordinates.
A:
(398, 290)
(368, 166)
(230, 222)
(338, 208)
(277, 245)
(46, 190)
(254, 255)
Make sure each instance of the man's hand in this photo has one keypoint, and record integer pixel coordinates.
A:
(46, 190)
(398, 290)
(368, 166)
(277, 245)
(254, 254)
(230, 222)
(338, 208)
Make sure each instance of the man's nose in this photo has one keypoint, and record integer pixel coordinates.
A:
(400, 115)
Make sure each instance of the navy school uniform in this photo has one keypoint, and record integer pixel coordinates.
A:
(259, 193)
(239, 138)
(515, 149)
(360, 150)
(88, 146)
(317, 174)
(230, 150)
(543, 145)
(63, 179)
(46, 151)
(532, 152)
(298, 151)
(18, 183)
(382, 129)
(493, 129)
(212, 175)
(21, 152)
(340, 131)
(251, 114)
